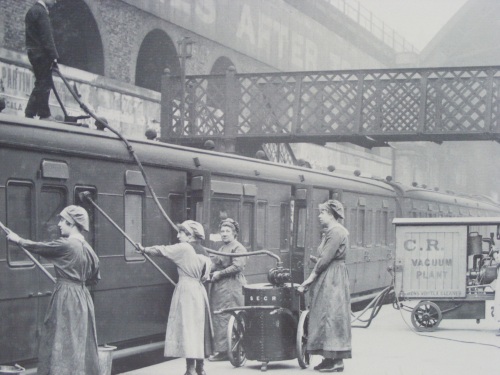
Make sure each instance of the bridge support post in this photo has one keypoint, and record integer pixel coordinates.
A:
(231, 110)
(167, 96)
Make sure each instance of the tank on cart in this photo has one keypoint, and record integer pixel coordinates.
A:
(272, 325)
(448, 265)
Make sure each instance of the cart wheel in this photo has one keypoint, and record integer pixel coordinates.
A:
(426, 316)
(235, 334)
(301, 342)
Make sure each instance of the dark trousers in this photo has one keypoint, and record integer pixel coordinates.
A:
(38, 103)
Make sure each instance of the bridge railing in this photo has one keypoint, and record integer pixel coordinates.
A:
(385, 104)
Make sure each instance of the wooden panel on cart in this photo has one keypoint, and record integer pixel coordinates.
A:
(432, 260)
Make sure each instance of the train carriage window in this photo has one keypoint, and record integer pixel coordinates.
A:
(199, 212)
(285, 219)
(301, 227)
(360, 236)
(378, 215)
(176, 213)
(384, 228)
(80, 201)
(20, 216)
(353, 226)
(221, 208)
(261, 225)
(52, 202)
(246, 225)
(134, 211)
(368, 238)
(390, 227)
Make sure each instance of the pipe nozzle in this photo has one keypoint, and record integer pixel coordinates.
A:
(85, 195)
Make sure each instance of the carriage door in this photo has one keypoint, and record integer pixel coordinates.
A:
(18, 303)
(318, 196)
(51, 201)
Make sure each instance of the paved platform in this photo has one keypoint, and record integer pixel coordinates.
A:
(390, 346)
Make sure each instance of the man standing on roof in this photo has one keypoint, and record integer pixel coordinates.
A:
(42, 55)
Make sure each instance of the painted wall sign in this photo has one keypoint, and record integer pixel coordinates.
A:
(432, 261)
(128, 113)
(270, 31)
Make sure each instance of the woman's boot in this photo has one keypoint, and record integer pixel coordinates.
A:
(199, 367)
(190, 370)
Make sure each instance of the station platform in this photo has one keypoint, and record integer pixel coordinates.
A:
(389, 346)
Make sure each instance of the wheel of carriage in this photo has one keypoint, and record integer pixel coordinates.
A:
(426, 316)
(301, 342)
(235, 336)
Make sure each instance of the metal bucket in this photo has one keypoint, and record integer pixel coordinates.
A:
(16, 369)
(474, 244)
(106, 359)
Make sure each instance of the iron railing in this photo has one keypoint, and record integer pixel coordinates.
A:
(366, 107)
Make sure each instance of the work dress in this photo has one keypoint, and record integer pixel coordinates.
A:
(227, 291)
(68, 341)
(497, 297)
(185, 335)
(330, 306)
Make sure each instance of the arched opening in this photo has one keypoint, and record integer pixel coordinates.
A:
(221, 65)
(216, 87)
(157, 52)
(77, 37)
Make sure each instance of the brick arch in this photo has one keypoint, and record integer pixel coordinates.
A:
(216, 88)
(221, 64)
(77, 36)
(157, 52)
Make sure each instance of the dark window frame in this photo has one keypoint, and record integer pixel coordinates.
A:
(24, 262)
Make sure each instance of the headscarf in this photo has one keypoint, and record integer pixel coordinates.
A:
(194, 228)
(333, 206)
(230, 223)
(76, 215)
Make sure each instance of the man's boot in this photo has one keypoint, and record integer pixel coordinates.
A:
(199, 367)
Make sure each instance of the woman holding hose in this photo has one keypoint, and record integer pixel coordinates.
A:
(189, 329)
(68, 342)
(227, 283)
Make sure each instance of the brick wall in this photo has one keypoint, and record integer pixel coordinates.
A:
(13, 23)
(123, 28)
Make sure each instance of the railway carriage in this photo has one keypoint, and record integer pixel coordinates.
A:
(45, 166)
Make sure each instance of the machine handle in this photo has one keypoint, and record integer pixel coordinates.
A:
(246, 308)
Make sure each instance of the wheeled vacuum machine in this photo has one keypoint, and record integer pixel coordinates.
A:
(272, 326)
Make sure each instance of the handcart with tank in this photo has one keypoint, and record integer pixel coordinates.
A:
(271, 326)
(448, 265)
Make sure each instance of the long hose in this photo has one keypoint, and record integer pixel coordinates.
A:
(86, 195)
(127, 144)
(236, 255)
(131, 151)
(375, 304)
